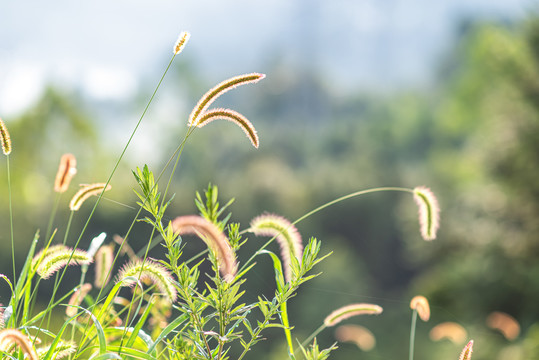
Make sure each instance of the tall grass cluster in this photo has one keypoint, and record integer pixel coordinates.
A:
(138, 307)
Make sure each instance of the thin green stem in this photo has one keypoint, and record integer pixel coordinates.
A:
(328, 204)
(11, 223)
(412, 334)
(286, 324)
(312, 336)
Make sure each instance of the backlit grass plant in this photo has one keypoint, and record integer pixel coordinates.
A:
(145, 308)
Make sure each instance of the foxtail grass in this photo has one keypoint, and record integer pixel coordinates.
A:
(449, 330)
(420, 306)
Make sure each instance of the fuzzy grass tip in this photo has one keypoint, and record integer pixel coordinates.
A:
(66, 171)
(466, 353)
(4, 138)
(10, 337)
(150, 270)
(505, 323)
(449, 330)
(54, 258)
(181, 42)
(287, 236)
(429, 212)
(214, 238)
(62, 350)
(103, 264)
(420, 304)
(208, 98)
(348, 311)
(357, 334)
(233, 116)
(85, 192)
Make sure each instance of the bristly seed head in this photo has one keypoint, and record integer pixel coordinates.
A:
(361, 336)
(214, 239)
(4, 138)
(348, 311)
(233, 116)
(56, 257)
(150, 270)
(448, 330)
(85, 192)
(181, 42)
(10, 337)
(208, 98)
(429, 212)
(66, 171)
(286, 234)
(103, 264)
(421, 305)
(466, 353)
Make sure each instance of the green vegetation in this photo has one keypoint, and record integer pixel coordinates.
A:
(474, 141)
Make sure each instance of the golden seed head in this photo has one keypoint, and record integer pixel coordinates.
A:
(429, 212)
(152, 271)
(181, 42)
(504, 323)
(10, 337)
(359, 335)
(232, 116)
(66, 171)
(214, 238)
(4, 138)
(287, 236)
(348, 311)
(421, 305)
(449, 330)
(85, 192)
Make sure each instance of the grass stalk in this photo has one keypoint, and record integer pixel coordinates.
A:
(412, 334)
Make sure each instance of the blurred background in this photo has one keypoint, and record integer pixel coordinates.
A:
(358, 94)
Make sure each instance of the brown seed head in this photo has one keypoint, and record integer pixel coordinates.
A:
(66, 171)
(4, 138)
(348, 311)
(421, 305)
(9, 337)
(214, 239)
(505, 323)
(361, 336)
(449, 330)
(85, 192)
(76, 299)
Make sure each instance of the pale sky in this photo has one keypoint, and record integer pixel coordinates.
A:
(105, 47)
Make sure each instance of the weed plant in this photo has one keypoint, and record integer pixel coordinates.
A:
(172, 310)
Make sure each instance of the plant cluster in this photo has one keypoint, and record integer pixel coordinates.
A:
(139, 307)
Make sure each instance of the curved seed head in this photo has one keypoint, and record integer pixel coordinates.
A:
(504, 323)
(4, 138)
(181, 42)
(348, 311)
(85, 192)
(66, 171)
(448, 330)
(152, 271)
(58, 256)
(359, 335)
(208, 98)
(421, 305)
(103, 264)
(233, 116)
(429, 212)
(9, 337)
(286, 234)
(214, 238)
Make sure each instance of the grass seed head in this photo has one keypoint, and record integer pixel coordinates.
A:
(466, 353)
(85, 192)
(449, 330)
(76, 299)
(359, 335)
(214, 238)
(233, 116)
(66, 171)
(181, 42)
(287, 236)
(348, 311)
(504, 323)
(150, 270)
(421, 305)
(10, 337)
(429, 212)
(4, 138)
